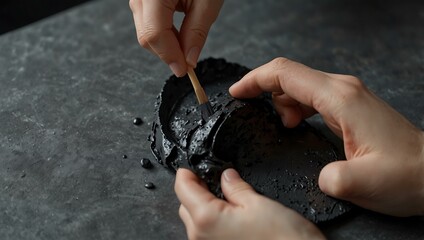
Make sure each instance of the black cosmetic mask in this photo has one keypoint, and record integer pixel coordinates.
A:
(280, 163)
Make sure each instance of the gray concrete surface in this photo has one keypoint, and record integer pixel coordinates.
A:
(71, 84)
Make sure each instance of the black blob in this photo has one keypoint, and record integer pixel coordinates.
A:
(137, 121)
(145, 163)
(280, 163)
(124, 156)
(149, 185)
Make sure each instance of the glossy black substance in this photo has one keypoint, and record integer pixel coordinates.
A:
(145, 163)
(280, 163)
(149, 185)
(124, 156)
(137, 121)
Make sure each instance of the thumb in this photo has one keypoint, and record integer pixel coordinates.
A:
(195, 28)
(235, 189)
(346, 180)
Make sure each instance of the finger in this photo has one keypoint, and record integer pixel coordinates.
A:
(190, 191)
(290, 110)
(235, 190)
(138, 26)
(306, 85)
(186, 218)
(195, 27)
(188, 221)
(348, 179)
(137, 10)
(157, 32)
(184, 214)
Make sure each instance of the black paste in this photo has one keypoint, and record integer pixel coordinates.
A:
(149, 185)
(145, 163)
(280, 163)
(137, 121)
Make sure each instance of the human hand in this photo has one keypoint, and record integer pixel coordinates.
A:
(384, 170)
(244, 215)
(156, 32)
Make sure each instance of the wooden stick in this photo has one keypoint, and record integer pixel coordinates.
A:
(198, 90)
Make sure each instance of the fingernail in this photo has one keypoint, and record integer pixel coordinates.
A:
(177, 69)
(231, 175)
(192, 56)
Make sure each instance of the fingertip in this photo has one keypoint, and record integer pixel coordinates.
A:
(233, 89)
(327, 177)
(231, 175)
(186, 173)
(291, 117)
(190, 191)
(289, 109)
(335, 180)
(183, 176)
(235, 189)
(244, 88)
(284, 121)
(192, 56)
(180, 170)
(179, 69)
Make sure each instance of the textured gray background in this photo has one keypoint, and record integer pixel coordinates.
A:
(71, 84)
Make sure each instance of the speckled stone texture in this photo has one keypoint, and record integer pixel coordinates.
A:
(71, 85)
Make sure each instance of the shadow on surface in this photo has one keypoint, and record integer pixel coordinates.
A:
(18, 13)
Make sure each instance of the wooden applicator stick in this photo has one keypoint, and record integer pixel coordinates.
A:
(205, 106)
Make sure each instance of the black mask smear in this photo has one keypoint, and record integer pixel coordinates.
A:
(280, 163)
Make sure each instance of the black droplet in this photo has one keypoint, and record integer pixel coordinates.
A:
(137, 121)
(124, 156)
(145, 163)
(23, 175)
(149, 185)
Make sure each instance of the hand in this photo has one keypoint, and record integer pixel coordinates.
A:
(156, 32)
(384, 170)
(245, 214)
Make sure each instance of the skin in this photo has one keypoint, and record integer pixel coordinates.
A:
(244, 215)
(156, 31)
(384, 169)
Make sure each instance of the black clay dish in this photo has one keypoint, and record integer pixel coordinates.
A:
(280, 163)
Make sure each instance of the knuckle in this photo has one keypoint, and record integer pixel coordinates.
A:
(142, 41)
(239, 190)
(353, 81)
(280, 62)
(350, 89)
(204, 218)
(200, 33)
(133, 4)
(148, 37)
(151, 35)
